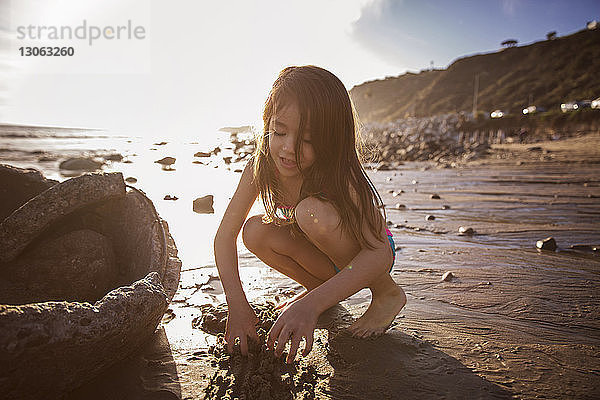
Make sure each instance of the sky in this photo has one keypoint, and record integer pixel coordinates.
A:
(200, 65)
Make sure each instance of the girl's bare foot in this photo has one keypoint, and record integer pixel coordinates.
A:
(285, 304)
(381, 312)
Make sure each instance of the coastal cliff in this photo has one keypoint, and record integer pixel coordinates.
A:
(545, 73)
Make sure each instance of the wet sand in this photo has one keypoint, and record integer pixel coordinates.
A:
(513, 322)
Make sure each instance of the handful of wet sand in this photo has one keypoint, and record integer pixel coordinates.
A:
(260, 375)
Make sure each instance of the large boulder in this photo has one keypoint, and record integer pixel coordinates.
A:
(88, 269)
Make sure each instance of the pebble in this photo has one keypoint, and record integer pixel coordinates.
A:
(130, 179)
(169, 197)
(204, 205)
(388, 179)
(447, 277)
(546, 244)
(430, 217)
(113, 157)
(414, 182)
(166, 161)
(435, 196)
(445, 207)
(400, 206)
(465, 231)
(81, 164)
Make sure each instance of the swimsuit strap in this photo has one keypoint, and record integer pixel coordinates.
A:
(285, 213)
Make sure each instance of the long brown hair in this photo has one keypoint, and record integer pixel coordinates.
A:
(324, 104)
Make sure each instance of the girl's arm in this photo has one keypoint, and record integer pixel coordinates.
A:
(300, 319)
(241, 318)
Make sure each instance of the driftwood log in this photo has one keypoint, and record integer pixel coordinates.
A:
(87, 270)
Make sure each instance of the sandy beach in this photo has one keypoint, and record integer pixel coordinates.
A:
(131, 132)
(511, 322)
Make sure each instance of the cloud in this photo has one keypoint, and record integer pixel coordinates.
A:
(509, 7)
(383, 29)
(383, 19)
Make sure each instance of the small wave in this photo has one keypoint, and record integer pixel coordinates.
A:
(9, 131)
(51, 136)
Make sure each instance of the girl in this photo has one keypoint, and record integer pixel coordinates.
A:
(321, 226)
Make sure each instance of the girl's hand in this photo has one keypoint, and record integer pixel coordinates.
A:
(241, 323)
(297, 321)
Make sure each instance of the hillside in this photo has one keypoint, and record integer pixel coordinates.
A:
(548, 72)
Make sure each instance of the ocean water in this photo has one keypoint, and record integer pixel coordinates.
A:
(45, 148)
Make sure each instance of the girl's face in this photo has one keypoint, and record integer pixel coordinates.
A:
(283, 130)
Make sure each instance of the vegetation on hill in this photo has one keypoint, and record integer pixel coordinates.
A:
(545, 73)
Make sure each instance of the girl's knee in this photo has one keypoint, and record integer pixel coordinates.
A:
(316, 218)
(253, 233)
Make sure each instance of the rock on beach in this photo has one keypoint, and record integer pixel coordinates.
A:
(166, 161)
(465, 231)
(113, 157)
(546, 244)
(204, 205)
(448, 276)
(81, 164)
